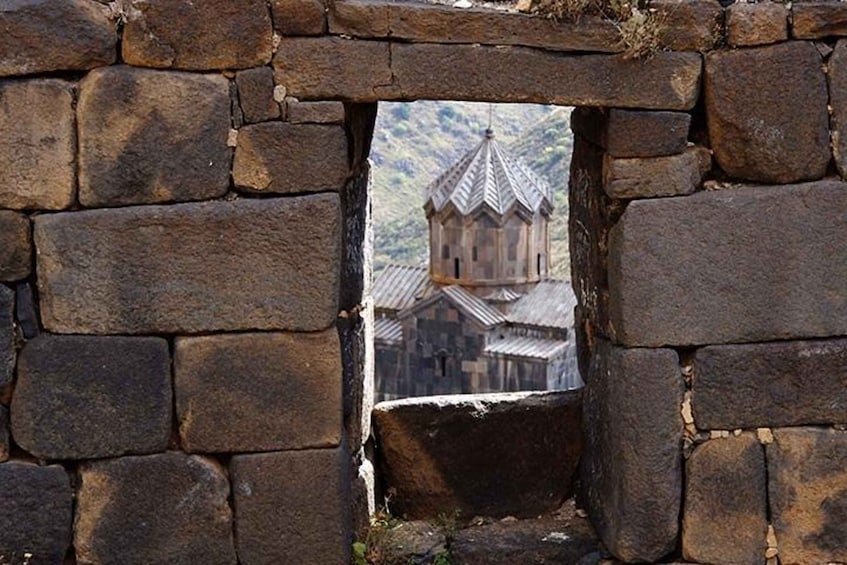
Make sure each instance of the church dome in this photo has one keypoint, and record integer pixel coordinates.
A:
(487, 179)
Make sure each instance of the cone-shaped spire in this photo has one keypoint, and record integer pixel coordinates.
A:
(487, 178)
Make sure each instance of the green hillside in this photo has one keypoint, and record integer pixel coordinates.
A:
(414, 142)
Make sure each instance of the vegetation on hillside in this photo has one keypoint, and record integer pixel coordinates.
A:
(414, 142)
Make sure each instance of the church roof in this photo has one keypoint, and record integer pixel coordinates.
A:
(398, 286)
(548, 304)
(475, 308)
(527, 347)
(487, 178)
(388, 330)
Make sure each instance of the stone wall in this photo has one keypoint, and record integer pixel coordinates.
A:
(184, 259)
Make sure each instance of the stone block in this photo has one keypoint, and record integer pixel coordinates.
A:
(786, 383)
(215, 34)
(439, 23)
(4, 433)
(291, 506)
(164, 508)
(269, 264)
(256, 94)
(37, 163)
(752, 263)
(636, 133)
(563, 538)
(631, 470)
(299, 17)
(813, 20)
(55, 35)
(726, 507)
(756, 24)
(15, 246)
(837, 77)
(412, 542)
(652, 177)
(314, 112)
(258, 392)
(164, 142)
(333, 68)
(689, 25)
(469, 453)
(807, 477)
(281, 158)
(26, 315)
(7, 335)
(766, 109)
(666, 81)
(87, 397)
(37, 514)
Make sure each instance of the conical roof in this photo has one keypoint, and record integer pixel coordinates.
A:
(487, 178)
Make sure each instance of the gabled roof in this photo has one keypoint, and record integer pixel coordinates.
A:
(549, 304)
(486, 178)
(398, 286)
(475, 308)
(527, 347)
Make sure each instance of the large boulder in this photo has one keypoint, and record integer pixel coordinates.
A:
(484, 454)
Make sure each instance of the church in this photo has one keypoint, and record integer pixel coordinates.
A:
(484, 316)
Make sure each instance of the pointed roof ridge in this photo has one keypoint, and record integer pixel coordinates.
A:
(486, 176)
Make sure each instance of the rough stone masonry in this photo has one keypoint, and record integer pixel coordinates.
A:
(183, 272)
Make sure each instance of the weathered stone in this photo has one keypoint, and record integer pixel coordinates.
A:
(666, 81)
(215, 34)
(656, 176)
(756, 24)
(299, 17)
(284, 158)
(37, 505)
(4, 433)
(256, 94)
(468, 453)
(412, 542)
(837, 77)
(565, 538)
(635, 133)
(314, 112)
(164, 508)
(812, 20)
(631, 470)
(291, 507)
(363, 498)
(767, 112)
(7, 335)
(787, 383)
(438, 23)
(729, 266)
(55, 35)
(241, 265)
(726, 508)
(86, 397)
(15, 246)
(164, 142)
(259, 392)
(688, 25)
(332, 68)
(25, 313)
(808, 494)
(39, 143)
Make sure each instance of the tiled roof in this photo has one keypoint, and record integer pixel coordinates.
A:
(549, 304)
(388, 330)
(397, 287)
(487, 177)
(527, 347)
(502, 295)
(476, 308)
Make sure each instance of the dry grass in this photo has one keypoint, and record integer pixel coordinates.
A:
(640, 28)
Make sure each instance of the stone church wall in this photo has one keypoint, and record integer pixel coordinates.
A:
(184, 267)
